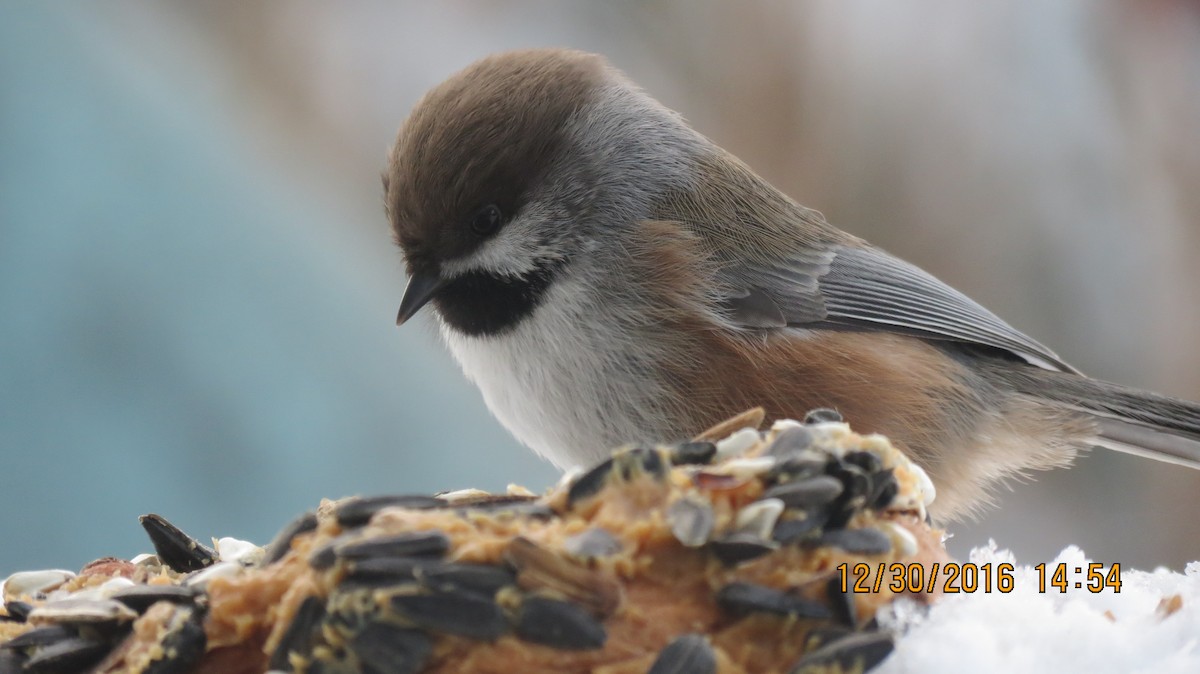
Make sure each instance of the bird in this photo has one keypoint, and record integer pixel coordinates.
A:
(606, 275)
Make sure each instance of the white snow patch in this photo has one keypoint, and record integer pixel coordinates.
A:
(1031, 631)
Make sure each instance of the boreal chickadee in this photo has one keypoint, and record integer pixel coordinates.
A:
(605, 274)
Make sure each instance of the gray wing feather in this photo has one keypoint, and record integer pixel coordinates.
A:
(861, 287)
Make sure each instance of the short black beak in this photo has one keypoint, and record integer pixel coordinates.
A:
(421, 288)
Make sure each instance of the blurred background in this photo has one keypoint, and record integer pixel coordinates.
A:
(198, 286)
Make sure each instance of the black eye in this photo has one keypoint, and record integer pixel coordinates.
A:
(486, 220)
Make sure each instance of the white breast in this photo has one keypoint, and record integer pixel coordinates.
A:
(563, 381)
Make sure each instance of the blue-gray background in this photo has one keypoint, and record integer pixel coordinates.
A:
(197, 285)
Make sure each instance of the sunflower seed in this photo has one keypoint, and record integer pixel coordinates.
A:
(590, 483)
(177, 550)
(31, 583)
(483, 579)
(409, 544)
(326, 556)
(857, 652)
(385, 648)
(689, 654)
(841, 602)
(559, 624)
(856, 485)
(299, 636)
(81, 612)
(738, 548)
(359, 510)
(740, 598)
(11, 662)
(907, 541)
(815, 491)
(236, 550)
(696, 453)
(18, 611)
(39, 637)
(592, 543)
(822, 415)
(182, 644)
(737, 444)
(883, 489)
(625, 465)
(141, 597)
(691, 521)
(69, 655)
(759, 517)
(463, 613)
(824, 635)
(203, 577)
(541, 569)
(382, 571)
(868, 461)
(789, 441)
(282, 543)
(798, 526)
(865, 541)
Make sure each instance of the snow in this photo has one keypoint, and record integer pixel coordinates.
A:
(1031, 631)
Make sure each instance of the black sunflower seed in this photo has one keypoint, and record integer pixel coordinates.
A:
(72, 654)
(590, 483)
(883, 489)
(824, 635)
(325, 556)
(856, 486)
(383, 571)
(482, 579)
(515, 508)
(797, 466)
(559, 624)
(12, 662)
(738, 548)
(38, 637)
(463, 613)
(689, 654)
(865, 541)
(814, 491)
(788, 531)
(625, 464)
(409, 544)
(387, 649)
(857, 653)
(789, 441)
(741, 598)
(697, 453)
(180, 552)
(358, 511)
(182, 646)
(141, 597)
(18, 611)
(868, 461)
(841, 602)
(822, 415)
(282, 543)
(300, 634)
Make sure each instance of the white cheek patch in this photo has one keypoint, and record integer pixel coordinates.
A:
(512, 252)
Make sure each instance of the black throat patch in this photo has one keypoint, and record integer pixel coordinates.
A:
(482, 304)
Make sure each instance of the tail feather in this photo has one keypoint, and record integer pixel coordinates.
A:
(1127, 419)
(1149, 442)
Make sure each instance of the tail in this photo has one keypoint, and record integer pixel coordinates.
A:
(1127, 419)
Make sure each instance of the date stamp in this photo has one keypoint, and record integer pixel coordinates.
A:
(968, 577)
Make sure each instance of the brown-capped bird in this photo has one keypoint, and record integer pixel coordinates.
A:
(605, 274)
